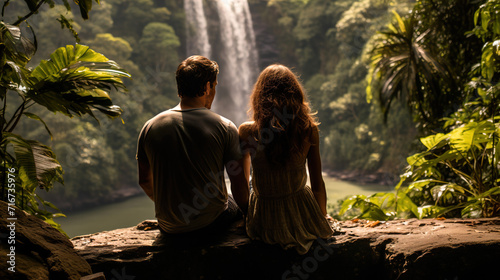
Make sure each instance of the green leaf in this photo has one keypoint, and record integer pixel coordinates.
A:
(85, 7)
(401, 24)
(349, 203)
(492, 191)
(373, 212)
(369, 210)
(384, 200)
(405, 204)
(485, 19)
(18, 48)
(416, 158)
(76, 80)
(462, 138)
(430, 211)
(476, 16)
(38, 166)
(18, 79)
(487, 66)
(473, 210)
(482, 93)
(57, 226)
(417, 185)
(433, 140)
(66, 5)
(497, 149)
(443, 193)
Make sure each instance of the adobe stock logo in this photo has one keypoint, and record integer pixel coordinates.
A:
(121, 276)
(310, 264)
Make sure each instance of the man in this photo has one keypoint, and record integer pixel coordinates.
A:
(181, 157)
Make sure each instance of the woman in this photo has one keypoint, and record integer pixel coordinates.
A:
(276, 144)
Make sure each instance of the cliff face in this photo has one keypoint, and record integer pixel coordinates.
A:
(404, 249)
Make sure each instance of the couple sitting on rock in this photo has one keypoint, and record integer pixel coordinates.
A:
(182, 153)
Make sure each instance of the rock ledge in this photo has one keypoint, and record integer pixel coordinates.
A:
(401, 249)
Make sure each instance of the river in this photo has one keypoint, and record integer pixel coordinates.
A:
(134, 210)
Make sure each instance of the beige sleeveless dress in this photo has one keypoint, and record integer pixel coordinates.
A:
(282, 208)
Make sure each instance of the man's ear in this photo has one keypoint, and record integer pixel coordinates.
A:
(207, 88)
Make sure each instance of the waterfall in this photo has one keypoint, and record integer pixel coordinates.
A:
(197, 28)
(237, 53)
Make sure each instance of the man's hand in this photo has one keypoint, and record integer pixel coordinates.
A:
(239, 184)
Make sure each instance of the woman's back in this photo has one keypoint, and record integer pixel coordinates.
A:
(282, 209)
(274, 179)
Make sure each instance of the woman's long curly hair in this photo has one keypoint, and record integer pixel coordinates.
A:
(281, 114)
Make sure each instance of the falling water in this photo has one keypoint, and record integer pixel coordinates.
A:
(197, 28)
(237, 54)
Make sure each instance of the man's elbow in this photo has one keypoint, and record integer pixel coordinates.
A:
(147, 188)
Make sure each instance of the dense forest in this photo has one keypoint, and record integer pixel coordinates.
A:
(331, 45)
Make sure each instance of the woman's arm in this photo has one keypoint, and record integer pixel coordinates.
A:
(314, 166)
(244, 134)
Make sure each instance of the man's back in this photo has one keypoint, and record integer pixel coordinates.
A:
(186, 151)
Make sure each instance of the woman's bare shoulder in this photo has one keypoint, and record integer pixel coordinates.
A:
(245, 128)
(314, 134)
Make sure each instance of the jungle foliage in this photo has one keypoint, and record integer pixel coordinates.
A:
(457, 173)
(99, 158)
(333, 46)
(75, 81)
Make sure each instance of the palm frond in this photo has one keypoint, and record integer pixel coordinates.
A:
(38, 166)
(76, 80)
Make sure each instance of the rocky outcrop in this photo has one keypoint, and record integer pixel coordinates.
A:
(33, 249)
(402, 249)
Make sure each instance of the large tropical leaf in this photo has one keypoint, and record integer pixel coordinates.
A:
(17, 48)
(432, 140)
(38, 166)
(76, 80)
(15, 52)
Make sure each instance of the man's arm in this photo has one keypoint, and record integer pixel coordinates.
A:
(145, 173)
(239, 183)
(145, 177)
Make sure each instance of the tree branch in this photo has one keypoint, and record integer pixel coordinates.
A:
(5, 4)
(15, 118)
(29, 14)
(3, 113)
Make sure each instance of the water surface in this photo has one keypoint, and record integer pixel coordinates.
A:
(134, 210)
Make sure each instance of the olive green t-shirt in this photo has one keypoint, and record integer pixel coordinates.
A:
(187, 151)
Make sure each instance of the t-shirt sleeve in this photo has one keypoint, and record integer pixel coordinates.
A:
(233, 151)
(141, 152)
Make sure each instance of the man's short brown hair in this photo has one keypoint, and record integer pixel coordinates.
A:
(193, 74)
